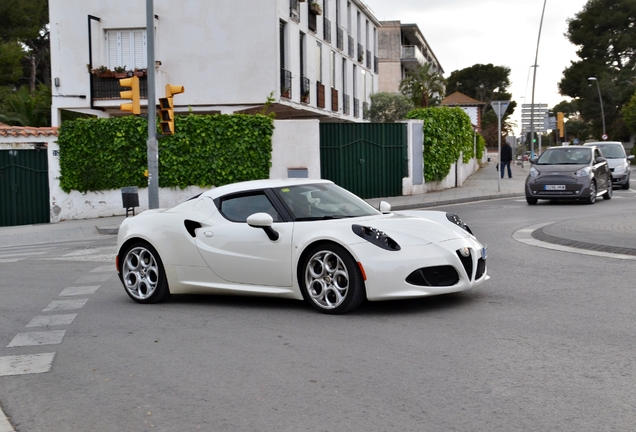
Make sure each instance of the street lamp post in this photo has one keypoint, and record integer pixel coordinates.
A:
(598, 87)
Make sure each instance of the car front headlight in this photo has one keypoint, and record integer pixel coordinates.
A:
(534, 172)
(620, 169)
(457, 221)
(583, 172)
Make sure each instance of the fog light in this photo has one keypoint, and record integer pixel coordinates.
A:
(465, 252)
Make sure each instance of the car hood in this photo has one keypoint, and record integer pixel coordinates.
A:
(412, 230)
(613, 163)
(559, 169)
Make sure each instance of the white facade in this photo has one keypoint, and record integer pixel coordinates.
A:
(228, 54)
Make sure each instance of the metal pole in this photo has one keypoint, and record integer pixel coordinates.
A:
(152, 144)
(500, 170)
(598, 87)
(534, 79)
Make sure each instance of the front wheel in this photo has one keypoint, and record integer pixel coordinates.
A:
(330, 280)
(531, 201)
(143, 275)
(626, 185)
(592, 198)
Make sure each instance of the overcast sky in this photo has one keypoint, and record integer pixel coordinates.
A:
(462, 33)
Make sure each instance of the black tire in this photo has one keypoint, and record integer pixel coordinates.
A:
(531, 201)
(330, 280)
(610, 191)
(592, 198)
(626, 185)
(142, 273)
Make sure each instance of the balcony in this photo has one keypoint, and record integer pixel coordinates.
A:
(356, 107)
(360, 54)
(365, 110)
(339, 38)
(109, 88)
(326, 28)
(285, 83)
(351, 46)
(376, 64)
(368, 59)
(345, 104)
(312, 22)
(304, 89)
(412, 57)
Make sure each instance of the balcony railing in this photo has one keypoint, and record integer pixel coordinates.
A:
(304, 89)
(109, 88)
(285, 83)
(345, 104)
(351, 46)
(326, 28)
(312, 22)
(365, 110)
(376, 64)
(369, 59)
(360, 53)
(339, 38)
(356, 107)
(413, 53)
(334, 99)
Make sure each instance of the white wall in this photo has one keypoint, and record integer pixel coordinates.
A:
(295, 144)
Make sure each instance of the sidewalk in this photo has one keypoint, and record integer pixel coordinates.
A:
(482, 185)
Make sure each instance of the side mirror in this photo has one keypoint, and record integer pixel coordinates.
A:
(630, 157)
(600, 159)
(384, 207)
(264, 221)
(533, 160)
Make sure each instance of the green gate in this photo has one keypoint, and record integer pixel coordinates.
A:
(369, 159)
(24, 187)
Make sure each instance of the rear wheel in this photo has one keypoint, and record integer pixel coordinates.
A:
(592, 198)
(143, 275)
(608, 195)
(330, 280)
(531, 201)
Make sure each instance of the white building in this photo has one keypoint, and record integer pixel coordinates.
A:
(318, 60)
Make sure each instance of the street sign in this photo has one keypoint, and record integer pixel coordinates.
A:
(500, 107)
(604, 137)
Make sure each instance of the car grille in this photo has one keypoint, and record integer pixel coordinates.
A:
(481, 268)
(467, 262)
(555, 179)
(434, 276)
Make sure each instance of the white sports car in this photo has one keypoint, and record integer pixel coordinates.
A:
(299, 239)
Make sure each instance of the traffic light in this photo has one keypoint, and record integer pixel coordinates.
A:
(166, 109)
(132, 94)
(560, 125)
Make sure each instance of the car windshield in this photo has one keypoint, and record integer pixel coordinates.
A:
(565, 156)
(612, 151)
(323, 201)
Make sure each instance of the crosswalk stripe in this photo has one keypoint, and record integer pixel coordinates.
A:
(79, 290)
(51, 320)
(26, 364)
(56, 305)
(5, 426)
(51, 337)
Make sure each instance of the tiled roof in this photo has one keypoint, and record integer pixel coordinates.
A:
(460, 99)
(19, 131)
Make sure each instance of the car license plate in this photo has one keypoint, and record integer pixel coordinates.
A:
(554, 187)
(484, 252)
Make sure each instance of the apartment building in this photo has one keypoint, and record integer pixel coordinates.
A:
(317, 59)
(402, 48)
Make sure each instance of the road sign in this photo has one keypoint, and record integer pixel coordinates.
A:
(500, 107)
(604, 137)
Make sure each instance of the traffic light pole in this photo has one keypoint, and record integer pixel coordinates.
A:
(152, 143)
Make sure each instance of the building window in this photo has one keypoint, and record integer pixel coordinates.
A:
(318, 62)
(294, 10)
(126, 48)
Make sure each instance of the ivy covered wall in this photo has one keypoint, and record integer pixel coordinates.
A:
(103, 154)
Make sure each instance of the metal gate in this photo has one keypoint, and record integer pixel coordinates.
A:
(24, 187)
(369, 159)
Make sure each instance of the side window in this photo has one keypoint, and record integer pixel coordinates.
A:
(238, 208)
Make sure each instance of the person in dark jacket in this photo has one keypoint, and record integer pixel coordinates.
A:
(506, 158)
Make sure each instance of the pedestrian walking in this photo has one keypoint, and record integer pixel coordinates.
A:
(505, 159)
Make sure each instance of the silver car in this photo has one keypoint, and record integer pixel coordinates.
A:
(617, 160)
(569, 173)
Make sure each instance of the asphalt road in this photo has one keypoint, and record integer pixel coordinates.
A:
(545, 345)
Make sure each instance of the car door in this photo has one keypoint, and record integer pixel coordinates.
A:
(601, 171)
(242, 254)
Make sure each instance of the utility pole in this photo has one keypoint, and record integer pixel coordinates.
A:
(152, 143)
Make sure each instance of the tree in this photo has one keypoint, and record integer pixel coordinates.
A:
(21, 108)
(388, 107)
(605, 34)
(423, 86)
(629, 114)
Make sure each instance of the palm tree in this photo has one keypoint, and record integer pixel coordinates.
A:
(423, 86)
(21, 108)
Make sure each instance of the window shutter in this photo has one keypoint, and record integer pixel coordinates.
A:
(126, 59)
(111, 42)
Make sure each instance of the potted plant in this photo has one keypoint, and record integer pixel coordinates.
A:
(120, 72)
(104, 72)
(140, 72)
(315, 8)
(304, 96)
(284, 92)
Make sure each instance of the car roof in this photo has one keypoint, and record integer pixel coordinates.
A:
(598, 143)
(571, 147)
(261, 184)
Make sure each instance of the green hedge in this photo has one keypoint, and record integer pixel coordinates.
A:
(447, 132)
(103, 154)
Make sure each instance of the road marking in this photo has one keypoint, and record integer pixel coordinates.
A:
(524, 235)
(80, 290)
(99, 254)
(25, 364)
(51, 337)
(56, 305)
(5, 426)
(97, 277)
(51, 320)
(105, 269)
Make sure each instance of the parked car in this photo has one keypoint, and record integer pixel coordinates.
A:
(298, 239)
(617, 160)
(569, 173)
